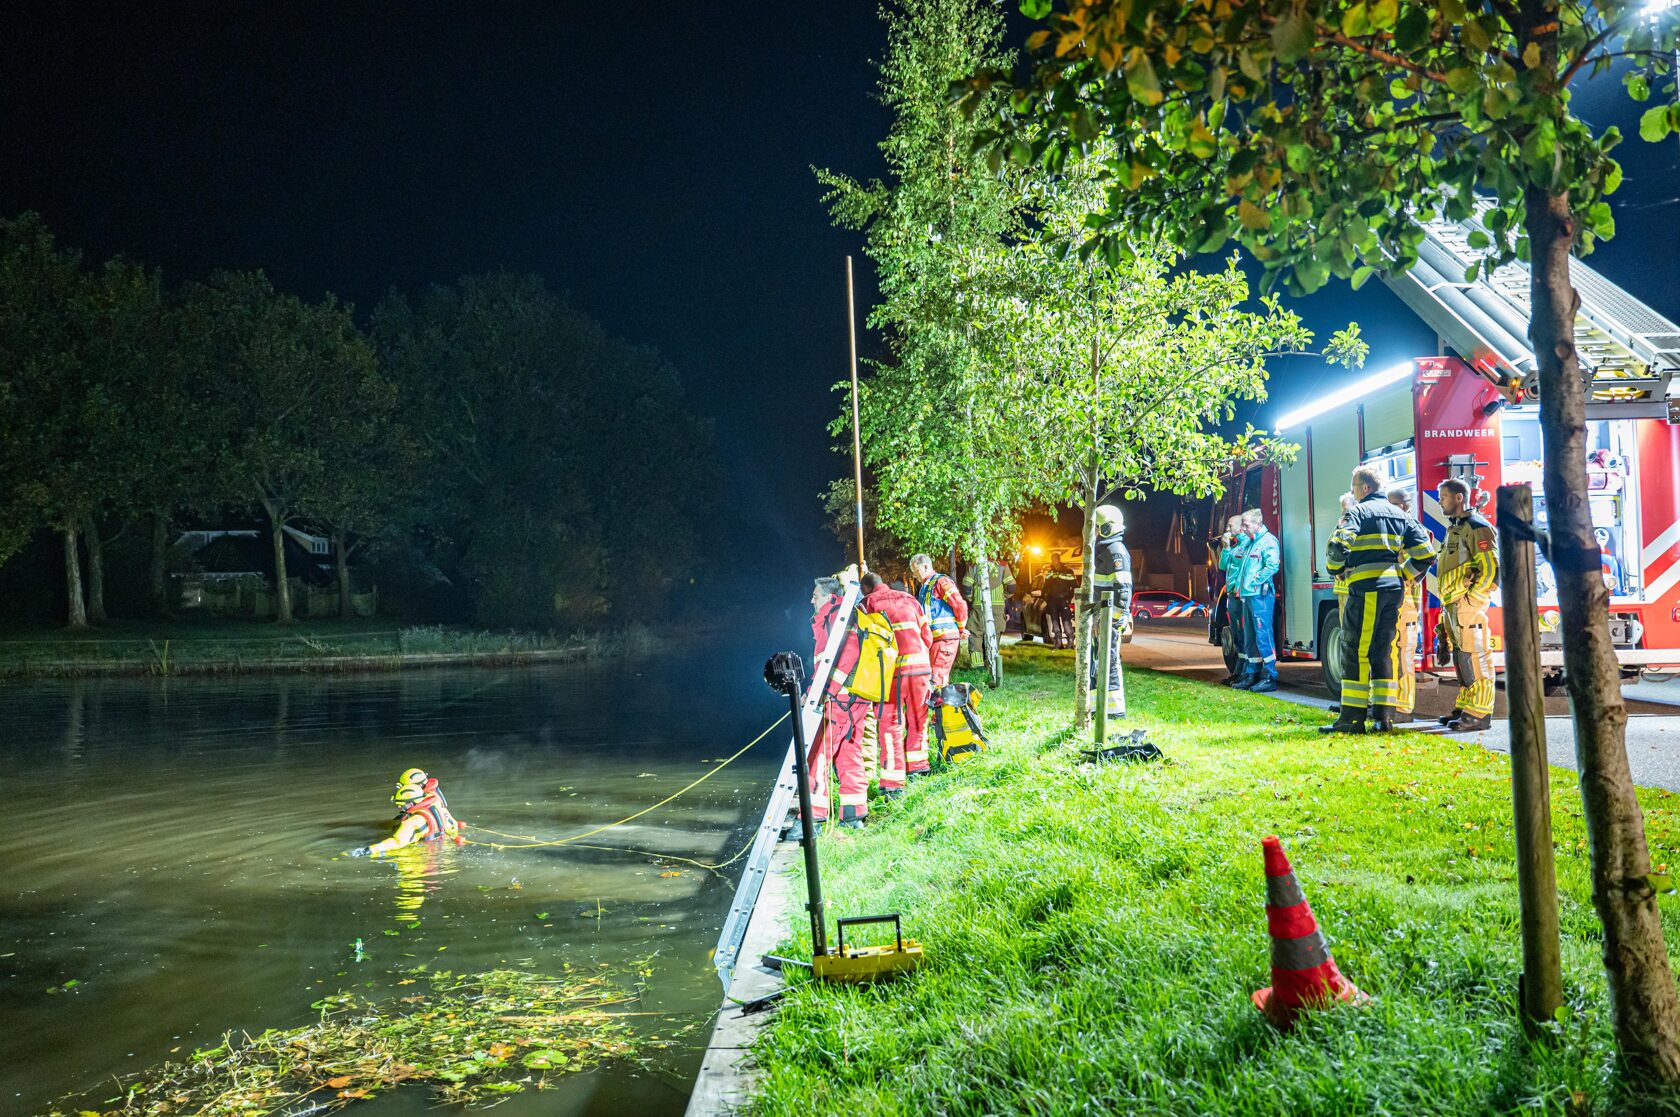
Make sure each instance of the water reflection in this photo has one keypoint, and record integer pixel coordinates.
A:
(175, 852)
(420, 871)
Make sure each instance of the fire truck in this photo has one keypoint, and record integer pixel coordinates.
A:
(1474, 414)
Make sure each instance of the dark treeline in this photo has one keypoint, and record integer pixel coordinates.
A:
(501, 458)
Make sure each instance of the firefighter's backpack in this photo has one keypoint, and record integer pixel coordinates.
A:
(871, 677)
(956, 725)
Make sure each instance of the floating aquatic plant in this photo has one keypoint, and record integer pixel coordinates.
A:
(471, 1038)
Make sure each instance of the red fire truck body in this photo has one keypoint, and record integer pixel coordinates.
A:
(1439, 417)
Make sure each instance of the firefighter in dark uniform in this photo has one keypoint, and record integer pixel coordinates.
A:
(1468, 572)
(1112, 583)
(1375, 549)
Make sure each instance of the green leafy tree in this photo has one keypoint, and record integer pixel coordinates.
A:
(1318, 134)
(290, 370)
(365, 494)
(132, 439)
(569, 484)
(74, 415)
(936, 436)
(43, 390)
(1126, 373)
(181, 435)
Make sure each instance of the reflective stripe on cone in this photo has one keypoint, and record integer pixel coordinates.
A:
(1304, 975)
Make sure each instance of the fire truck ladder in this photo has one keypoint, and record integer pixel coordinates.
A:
(1629, 350)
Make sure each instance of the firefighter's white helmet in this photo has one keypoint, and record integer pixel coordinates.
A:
(1109, 520)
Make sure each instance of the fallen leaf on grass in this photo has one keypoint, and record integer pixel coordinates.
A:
(358, 1092)
(340, 1082)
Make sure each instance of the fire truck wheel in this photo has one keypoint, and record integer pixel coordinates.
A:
(1228, 648)
(1330, 652)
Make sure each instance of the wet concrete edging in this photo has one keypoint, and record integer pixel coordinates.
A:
(727, 1074)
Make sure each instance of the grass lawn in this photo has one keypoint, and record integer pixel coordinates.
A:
(164, 648)
(1093, 934)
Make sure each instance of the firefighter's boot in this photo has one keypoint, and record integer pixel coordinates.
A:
(1348, 721)
(1471, 723)
(1382, 720)
(1448, 719)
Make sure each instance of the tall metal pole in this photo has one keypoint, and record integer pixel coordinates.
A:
(857, 439)
(1105, 661)
(1541, 990)
(807, 830)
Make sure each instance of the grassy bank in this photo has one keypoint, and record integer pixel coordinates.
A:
(1093, 934)
(231, 647)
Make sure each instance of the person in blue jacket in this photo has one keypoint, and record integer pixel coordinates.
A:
(1260, 561)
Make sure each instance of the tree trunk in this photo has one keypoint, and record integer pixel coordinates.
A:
(282, 591)
(1082, 610)
(1644, 1012)
(345, 610)
(159, 573)
(73, 577)
(96, 572)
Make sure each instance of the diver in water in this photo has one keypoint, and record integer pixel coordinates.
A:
(422, 816)
(417, 777)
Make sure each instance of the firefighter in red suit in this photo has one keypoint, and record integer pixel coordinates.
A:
(839, 740)
(947, 613)
(903, 726)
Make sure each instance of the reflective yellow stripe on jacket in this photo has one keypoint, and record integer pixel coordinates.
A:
(1469, 559)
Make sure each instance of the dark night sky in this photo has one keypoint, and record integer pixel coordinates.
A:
(649, 158)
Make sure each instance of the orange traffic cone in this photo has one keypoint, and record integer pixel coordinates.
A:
(1303, 973)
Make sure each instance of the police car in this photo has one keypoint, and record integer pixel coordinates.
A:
(1165, 605)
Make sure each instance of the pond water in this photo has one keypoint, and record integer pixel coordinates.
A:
(173, 854)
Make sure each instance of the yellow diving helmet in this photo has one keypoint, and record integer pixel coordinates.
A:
(413, 778)
(406, 796)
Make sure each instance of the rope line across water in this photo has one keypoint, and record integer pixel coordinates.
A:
(531, 841)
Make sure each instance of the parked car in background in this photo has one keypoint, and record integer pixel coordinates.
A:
(1165, 605)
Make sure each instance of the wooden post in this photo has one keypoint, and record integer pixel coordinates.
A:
(1541, 990)
(857, 439)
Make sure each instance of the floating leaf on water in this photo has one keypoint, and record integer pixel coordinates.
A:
(475, 1042)
(542, 915)
(546, 1059)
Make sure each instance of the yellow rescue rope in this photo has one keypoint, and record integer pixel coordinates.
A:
(531, 841)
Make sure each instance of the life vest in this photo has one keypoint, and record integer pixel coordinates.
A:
(439, 823)
(956, 725)
(941, 618)
(871, 675)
